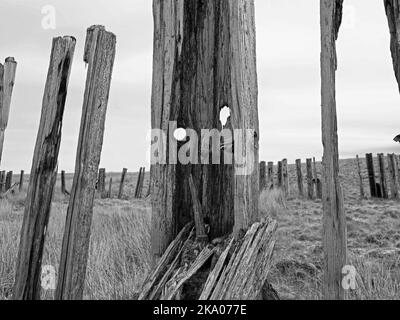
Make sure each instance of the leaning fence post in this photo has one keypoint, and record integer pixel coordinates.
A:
(7, 79)
(43, 173)
(270, 184)
(9, 180)
(263, 176)
(99, 54)
(121, 184)
(285, 177)
(371, 174)
(362, 193)
(383, 176)
(299, 178)
(21, 180)
(393, 176)
(310, 183)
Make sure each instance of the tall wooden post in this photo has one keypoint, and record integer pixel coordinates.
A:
(310, 182)
(121, 183)
(7, 80)
(334, 226)
(362, 193)
(263, 175)
(99, 54)
(270, 184)
(299, 178)
(394, 186)
(138, 182)
(44, 172)
(280, 174)
(215, 50)
(21, 180)
(9, 177)
(371, 174)
(383, 176)
(285, 177)
(63, 182)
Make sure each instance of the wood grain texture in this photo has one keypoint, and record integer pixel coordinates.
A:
(44, 172)
(7, 80)
(99, 55)
(203, 60)
(334, 220)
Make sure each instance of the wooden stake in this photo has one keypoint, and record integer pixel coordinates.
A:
(383, 176)
(394, 187)
(263, 176)
(121, 184)
(270, 184)
(315, 175)
(285, 177)
(110, 188)
(334, 227)
(371, 174)
(9, 180)
(362, 193)
(99, 54)
(299, 178)
(310, 182)
(2, 181)
(280, 174)
(138, 182)
(7, 80)
(142, 177)
(101, 184)
(21, 180)
(43, 175)
(63, 182)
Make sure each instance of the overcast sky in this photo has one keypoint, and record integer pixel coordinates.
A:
(288, 71)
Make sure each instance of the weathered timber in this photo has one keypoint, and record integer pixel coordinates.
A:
(383, 176)
(2, 181)
(360, 177)
(215, 52)
(197, 213)
(392, 8)
(334, 220)
(43, 174)
(310, 182)
(101, 182)
(122, 183)
(63, 190)
(315, 175)
(9, 177)
(394, 186)
(270, 184)
(99, 54)
(299, 178)
(141, 182)
(7, 80)
(285, 177)
(109, 194)
(263, 176)
(371, 174)
(138, 182)
(280, 174)
(21, 180)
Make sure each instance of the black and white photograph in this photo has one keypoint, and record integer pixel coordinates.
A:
(199, 157)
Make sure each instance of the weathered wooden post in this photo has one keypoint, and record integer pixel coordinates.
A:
(371, 174)
(310, 182)
(110, 188)
(7, 80)
(299, 178)
(215, 46)
(270, 184)
(101, 183)
(138, 183)
(21, 180)
(394, 187)
(280, 174)
(63, 182)
(334, 226)
(2, 181)
(99, 54)
(362, 193)
(44, 172)
(315, 175)
(383, 176)
(285, 177)
(142, 177)
(121, 184)
(263, 175)
(9, 180)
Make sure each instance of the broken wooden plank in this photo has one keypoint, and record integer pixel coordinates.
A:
(99, 54)
(44, 172)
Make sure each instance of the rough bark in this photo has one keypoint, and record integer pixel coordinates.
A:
(7, 79)
(204, 59)
(99, 54)
(334, 221)
(44, 172)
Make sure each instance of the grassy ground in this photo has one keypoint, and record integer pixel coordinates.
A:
(119, 247)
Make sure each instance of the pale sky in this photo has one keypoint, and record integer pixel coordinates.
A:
(288, 48)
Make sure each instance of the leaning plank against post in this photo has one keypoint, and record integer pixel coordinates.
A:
(394, 187)
(371, 174)
(270, 184)
(263, 176)
(44, 172)
(310, 183)
(334, 226)
(285, 177)
(299, 178)
(7, 79)
(383, 176)
(360, 177)
(9, 180)
(21, 180)
(99, 54)
(121, 183)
